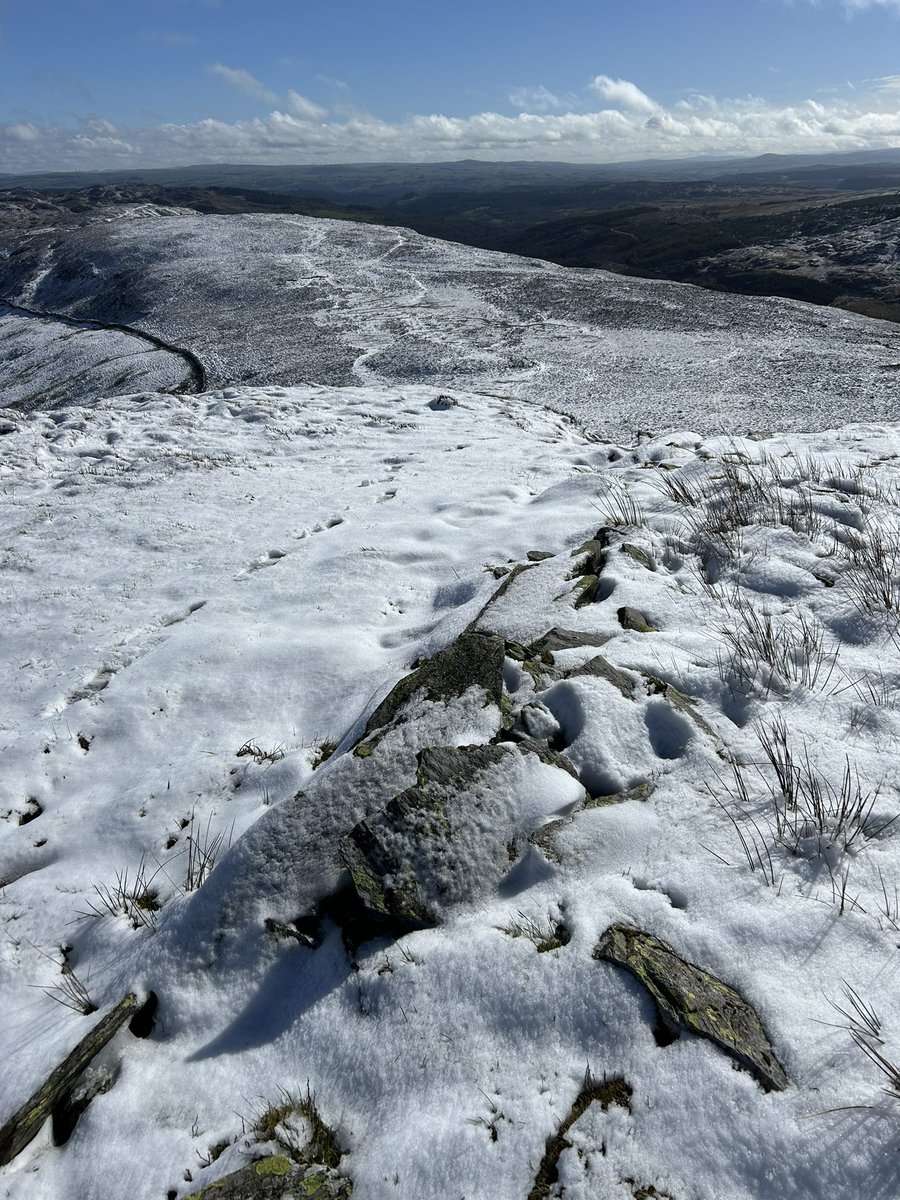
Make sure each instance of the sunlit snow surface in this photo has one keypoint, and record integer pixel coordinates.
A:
(294, 300)
(184, 575)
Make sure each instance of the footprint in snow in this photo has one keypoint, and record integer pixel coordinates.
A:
(675, 895)
(119, 660)
(321, 527)
(176, 618)
(268, 559)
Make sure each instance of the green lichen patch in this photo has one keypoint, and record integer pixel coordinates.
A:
(642, 792)
(279, 1164)
(277, 1178)
(687, 998)
(634, 619)
(473, 660)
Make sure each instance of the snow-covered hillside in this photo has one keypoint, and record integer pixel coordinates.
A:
(293, 300)
(365, 726)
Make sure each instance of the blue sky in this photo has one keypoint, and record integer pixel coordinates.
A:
(105, 83)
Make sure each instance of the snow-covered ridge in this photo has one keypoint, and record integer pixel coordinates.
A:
(211, 595)
(272, 299)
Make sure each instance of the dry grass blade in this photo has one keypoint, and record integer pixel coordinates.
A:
(618, 507)
(890, 1070)
(203, 850)
(135, 899)
(861, 1017)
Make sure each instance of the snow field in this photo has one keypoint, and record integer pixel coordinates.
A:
(189, 577)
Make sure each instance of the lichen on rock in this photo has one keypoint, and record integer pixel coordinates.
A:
(445, 839)
(474, 660)
(687, 998)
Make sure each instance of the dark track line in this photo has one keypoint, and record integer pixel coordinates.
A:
(197, 380)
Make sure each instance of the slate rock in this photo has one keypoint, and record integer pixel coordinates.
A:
(566, 639)
(443, 840)
(641, 793)
(640, 556)
(659, 687)
(689, 998)
(25, 1124)
(633, 618)
(473, 660)
(600, 668)
(277, 1178)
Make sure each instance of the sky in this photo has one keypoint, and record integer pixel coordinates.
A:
(106, 84)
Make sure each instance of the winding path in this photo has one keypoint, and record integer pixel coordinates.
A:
(196, 380)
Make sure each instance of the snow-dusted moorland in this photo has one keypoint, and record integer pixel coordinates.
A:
(404, 790)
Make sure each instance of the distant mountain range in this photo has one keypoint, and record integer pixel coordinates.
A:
(820, 228)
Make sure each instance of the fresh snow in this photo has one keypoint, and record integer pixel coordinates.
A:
(272, 299)
(187, 577)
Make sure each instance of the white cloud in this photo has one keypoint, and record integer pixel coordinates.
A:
(244, 82)
(623, 93)
(534, 99)
(304, 108)
(859, 5)
(636, 128)
(22, 131)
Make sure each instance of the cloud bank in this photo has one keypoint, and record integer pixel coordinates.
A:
(616, 121)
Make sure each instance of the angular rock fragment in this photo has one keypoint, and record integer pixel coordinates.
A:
(658, 687)
(642, 792)
(473, 660)
(277, 1178)
(567, 639)
(547, 754)
(689, 998)
(594, 551)
(508, 580)
(640, 556)
(633, 618)
(600, 668)
(445, 839)
(25, 1124)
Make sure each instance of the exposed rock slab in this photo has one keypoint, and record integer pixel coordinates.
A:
(277, 1178)
(24, 1125)
(473, 660)
(689, 998)
(446, 838)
